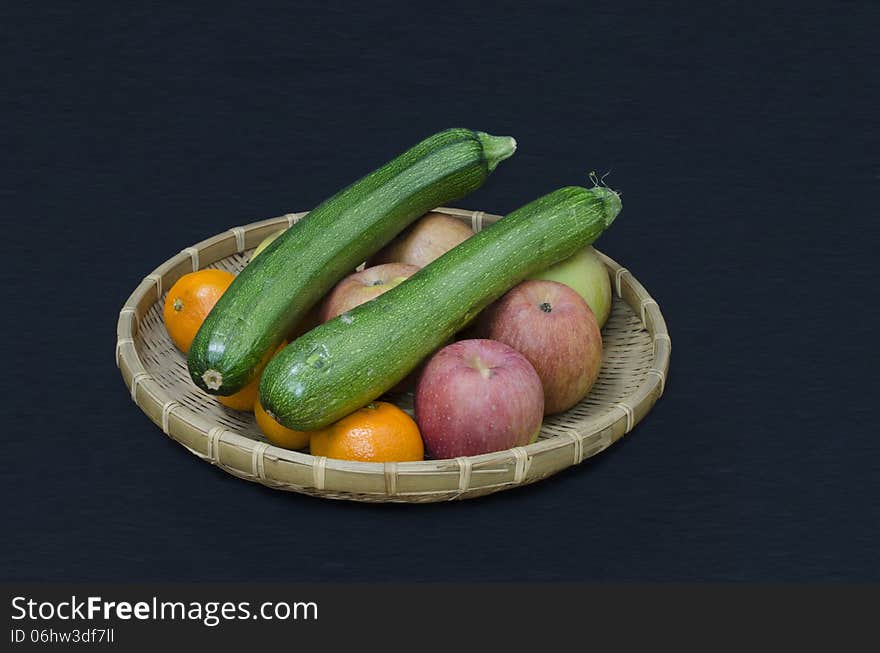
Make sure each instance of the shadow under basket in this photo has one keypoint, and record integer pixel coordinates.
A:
(635, 362)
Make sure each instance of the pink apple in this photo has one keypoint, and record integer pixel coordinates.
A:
(478, 396)
(552, 326)
(426, 239)
(360, 287)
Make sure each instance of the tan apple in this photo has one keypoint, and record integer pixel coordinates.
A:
(552, 326)
(360, 287)
(428, 238)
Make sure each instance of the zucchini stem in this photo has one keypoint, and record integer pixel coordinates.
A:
(611, 203)
(610, 198)
(213, 379)
(496, 148)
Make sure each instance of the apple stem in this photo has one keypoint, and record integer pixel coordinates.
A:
(482, 368)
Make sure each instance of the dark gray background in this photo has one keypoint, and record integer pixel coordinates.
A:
(745, 144)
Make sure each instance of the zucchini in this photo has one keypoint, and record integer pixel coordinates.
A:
(354, 358)
(276, 289)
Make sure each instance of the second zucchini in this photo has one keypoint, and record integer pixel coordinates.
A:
(356, 357)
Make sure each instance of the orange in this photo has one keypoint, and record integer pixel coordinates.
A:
(189, 301)
(378, 432)
(245, 398)
(277, 434)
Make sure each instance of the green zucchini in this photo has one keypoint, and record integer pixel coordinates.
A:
(354, 358)
(276, 289)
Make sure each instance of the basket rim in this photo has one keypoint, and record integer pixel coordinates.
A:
(184, 425)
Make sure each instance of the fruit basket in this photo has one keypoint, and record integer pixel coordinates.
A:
(636, 351)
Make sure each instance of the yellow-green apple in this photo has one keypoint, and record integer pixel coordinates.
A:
(426, 239)
(477, 396)
(360, 287)
(268, 240)
(585, 273)
(552, 326)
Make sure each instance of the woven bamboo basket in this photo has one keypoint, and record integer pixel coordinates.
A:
(635, 362)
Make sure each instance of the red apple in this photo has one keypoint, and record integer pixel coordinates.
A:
(360, 287)
(554, 328)
(478, 396)
(426, 239)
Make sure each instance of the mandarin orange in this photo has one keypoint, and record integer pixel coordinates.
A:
(189, 301)
(378, 432)
(245, 398)
(277, 434)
